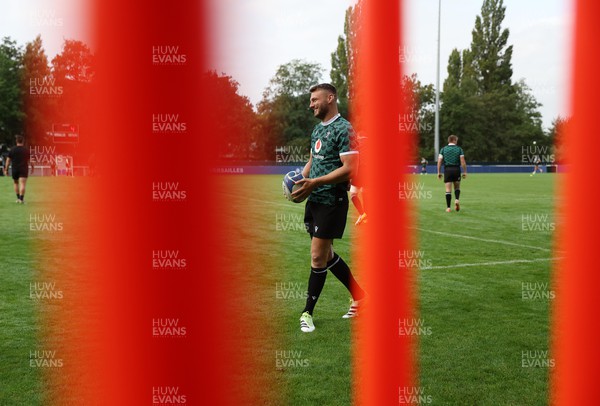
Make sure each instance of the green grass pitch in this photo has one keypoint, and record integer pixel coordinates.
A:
(483, 294)
(19, 328)
(28, 256)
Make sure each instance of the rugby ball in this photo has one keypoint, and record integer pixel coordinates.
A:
(289, 185)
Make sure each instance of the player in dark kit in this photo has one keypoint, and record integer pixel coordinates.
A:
(453, 158)
(19, 158)
(332, 162)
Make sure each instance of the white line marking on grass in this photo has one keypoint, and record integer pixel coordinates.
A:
(483, 239)
(288, 205)
(291, 205)
(514, 261)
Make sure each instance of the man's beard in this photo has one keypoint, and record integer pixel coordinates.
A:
(322, 113)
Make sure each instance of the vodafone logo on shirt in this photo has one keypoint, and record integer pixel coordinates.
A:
(318, 145)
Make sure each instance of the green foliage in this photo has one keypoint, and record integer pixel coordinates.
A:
(74, 63)
(293, 79)
(34, 94)
(37, 109)
(454, 71)
(491, 55)
(35, 61)
(233, 115)
(11, 105)
(344, 59)
(339, 74)
(493, 117)
(339, 69)
(421, 116)
(74, 71)
(556, 136)
(283, 112)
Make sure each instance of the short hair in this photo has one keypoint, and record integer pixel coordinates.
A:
(452, 138)
(324, 86)
(20, 139)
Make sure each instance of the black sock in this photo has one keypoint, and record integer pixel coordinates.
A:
(457, 194)
(448, 199)
(340, 270)
(316, 281)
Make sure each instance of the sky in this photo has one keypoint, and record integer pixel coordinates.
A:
(54, 20)
(256, 36)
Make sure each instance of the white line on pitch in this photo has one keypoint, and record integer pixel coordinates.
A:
(288, 205)
(483, 239)
(292, 207)
(514, 261)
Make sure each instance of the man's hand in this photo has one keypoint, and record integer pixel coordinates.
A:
(307, 185)
(439, 176)
(464, 175)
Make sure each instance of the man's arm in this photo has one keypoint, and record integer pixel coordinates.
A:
(341, 174)
(439, 166)
(306, 169)
(6, 166)
(463, 163)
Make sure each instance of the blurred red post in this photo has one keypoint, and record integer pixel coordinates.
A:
(576, 279)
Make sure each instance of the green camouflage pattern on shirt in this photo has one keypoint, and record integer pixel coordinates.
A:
(326, 144)
(451, 154)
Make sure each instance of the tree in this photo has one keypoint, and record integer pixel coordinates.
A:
(556, 136)
(37, 107)
(74, 63)
(339, 74)
(492, 115)
(491, 55)
(420, 116)
(11, 107)
(293, 79)
(528, 124)
(284, 116)
(73, 70)
(343, 59)
(234, 119)
(340, 63)
(454, 71)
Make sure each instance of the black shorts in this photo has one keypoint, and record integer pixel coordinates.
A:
(19, 173)
(451, 174)
(324, 221)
